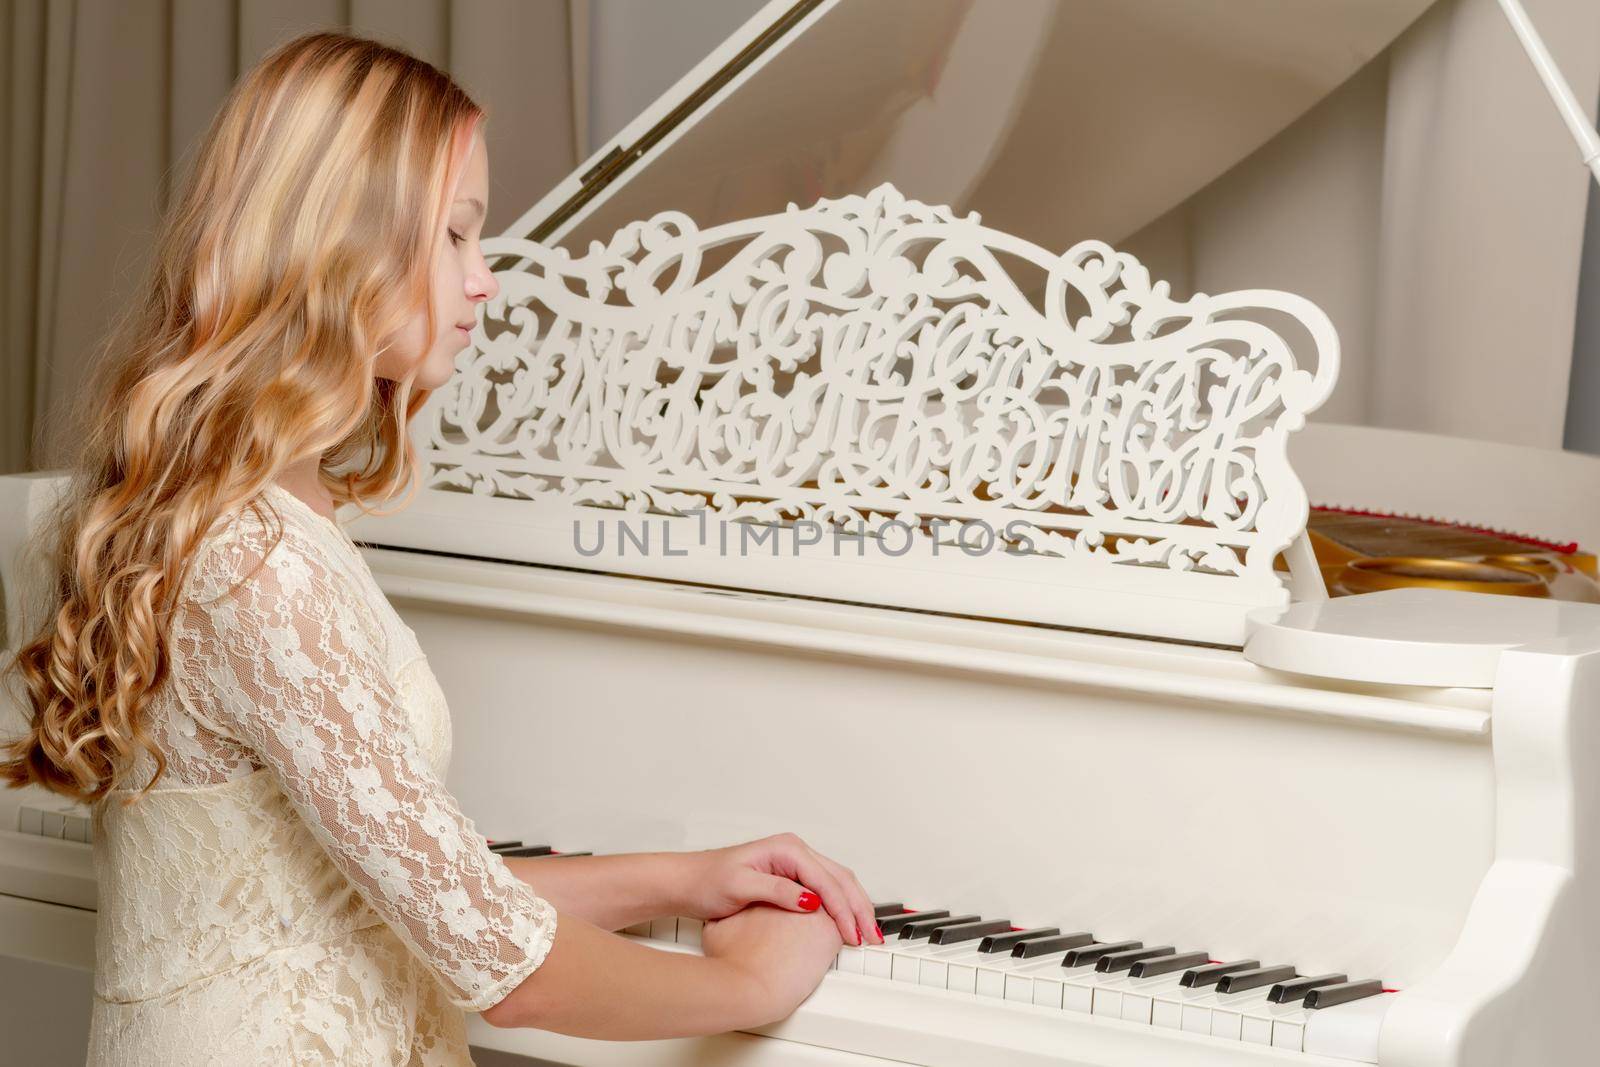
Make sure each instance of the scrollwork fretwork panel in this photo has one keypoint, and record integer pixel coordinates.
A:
(871, 363)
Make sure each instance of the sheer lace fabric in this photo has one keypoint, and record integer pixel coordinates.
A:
(299, 887)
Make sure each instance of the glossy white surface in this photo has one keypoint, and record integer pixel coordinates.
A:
(1417, 637)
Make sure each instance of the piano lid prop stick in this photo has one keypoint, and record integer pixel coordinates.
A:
(1555, 83)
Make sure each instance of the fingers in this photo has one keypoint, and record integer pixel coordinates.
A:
(860, 904)
(784, 892)
(795, 859)
(841, 893)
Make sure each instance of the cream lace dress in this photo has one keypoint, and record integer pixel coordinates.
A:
(299, 887)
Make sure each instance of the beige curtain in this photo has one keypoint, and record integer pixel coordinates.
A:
(101, 100)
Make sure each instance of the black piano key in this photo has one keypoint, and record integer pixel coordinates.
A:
(1043, 946)
(915, 931)
(526, 850)
(883, 911)
(1114, 962)
(496, 846)
(568, 855)
(1081, 957)
(1212, 973)
(952, 935)
(1159, 965)
(1009, 941)
(1329, 995)
(1289, 992)
(891, 924)
(1239, 981)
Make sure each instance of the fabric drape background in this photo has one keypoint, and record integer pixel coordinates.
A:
(1433, 204)
(102, 99)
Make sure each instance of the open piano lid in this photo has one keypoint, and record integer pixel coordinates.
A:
(1056, 120)
(674, 345)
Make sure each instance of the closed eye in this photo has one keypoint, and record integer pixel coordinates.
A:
(455, 238)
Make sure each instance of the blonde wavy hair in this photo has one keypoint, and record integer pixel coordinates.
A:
(298, 249)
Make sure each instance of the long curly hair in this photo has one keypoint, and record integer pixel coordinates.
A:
(297, 250)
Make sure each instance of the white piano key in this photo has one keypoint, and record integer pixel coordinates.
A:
(53, 823)
(1197, 1007)
(1020, 982)
(1182, 1008)
(991, 981)
(1285, 1026)
(689, 931)
(1130, 999)
(1107, 1001)
(1228, 1014)
(963, 975)
(1138, 1004)
(638, 929)
(664, 929)
(935, 965)
(1077, 995)
(1167, 1014)
(909, 954)
(851, 959)
(1084, 985)
(1069, 988)
(1348, 1031)
(30, 820)
(1047, 988)
(878, 960)
(1289, 1033)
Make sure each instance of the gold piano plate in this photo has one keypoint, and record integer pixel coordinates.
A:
(1400, 572)
(1361, 552)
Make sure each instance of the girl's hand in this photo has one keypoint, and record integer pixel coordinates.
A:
(784, 955)
(781, 870)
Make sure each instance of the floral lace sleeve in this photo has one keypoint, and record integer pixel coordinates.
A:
(284, 653)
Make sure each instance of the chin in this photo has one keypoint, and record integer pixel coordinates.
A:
(435, 372)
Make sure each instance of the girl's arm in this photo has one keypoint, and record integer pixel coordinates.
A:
(617, 891)
(759, 964)
(608, 891)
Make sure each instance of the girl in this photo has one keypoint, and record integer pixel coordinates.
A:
(283, 876)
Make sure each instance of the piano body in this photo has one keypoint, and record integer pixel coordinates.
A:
(1109, 714)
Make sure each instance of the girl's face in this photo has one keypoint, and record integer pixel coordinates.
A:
(461, 281)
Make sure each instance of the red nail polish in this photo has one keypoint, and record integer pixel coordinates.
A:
(878, 930)
(809, 901)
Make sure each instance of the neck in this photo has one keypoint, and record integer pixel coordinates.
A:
(301, 480)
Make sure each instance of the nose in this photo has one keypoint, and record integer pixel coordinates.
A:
(481, 283)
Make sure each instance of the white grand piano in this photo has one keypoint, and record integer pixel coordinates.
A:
(955, 547)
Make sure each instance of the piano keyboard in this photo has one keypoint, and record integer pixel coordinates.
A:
(1158, 986)
(1147, 985)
